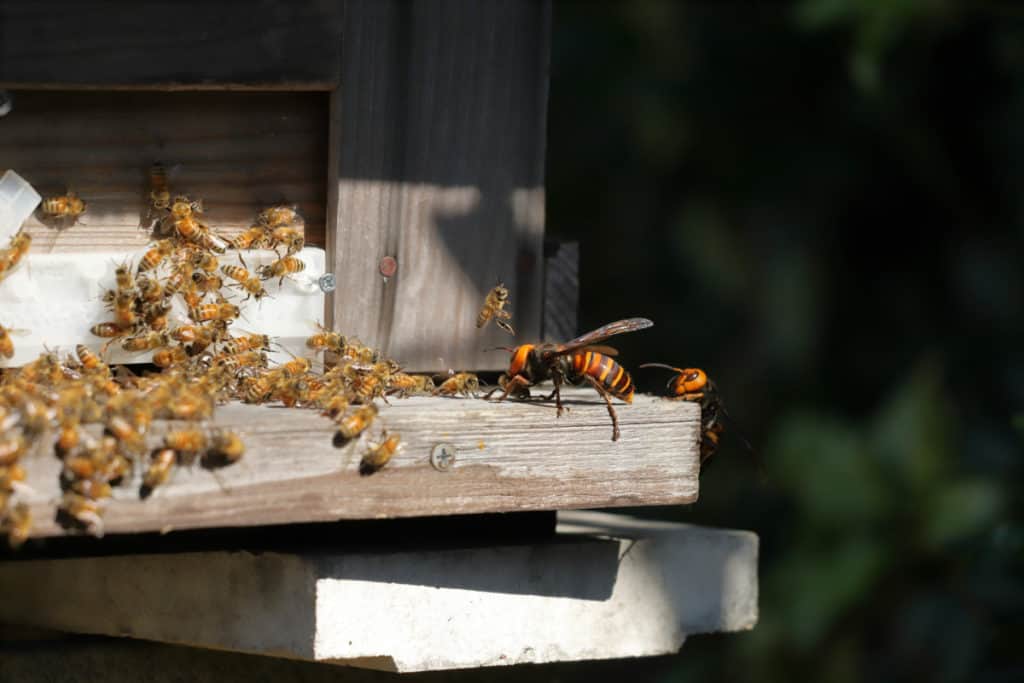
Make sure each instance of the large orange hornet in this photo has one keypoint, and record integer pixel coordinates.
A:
(576, 362)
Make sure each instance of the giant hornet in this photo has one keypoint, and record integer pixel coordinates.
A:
(578, 361)
(693, 384)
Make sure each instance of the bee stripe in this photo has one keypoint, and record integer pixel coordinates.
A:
(607, 364)
(617, 377)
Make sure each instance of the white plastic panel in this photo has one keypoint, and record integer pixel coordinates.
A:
(52, 300)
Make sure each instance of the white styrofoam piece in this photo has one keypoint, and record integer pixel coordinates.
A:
(18, 200)
(50, 301)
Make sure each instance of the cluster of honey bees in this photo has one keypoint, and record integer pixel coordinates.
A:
(100, 422)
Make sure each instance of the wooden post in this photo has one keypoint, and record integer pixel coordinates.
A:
(437, 143)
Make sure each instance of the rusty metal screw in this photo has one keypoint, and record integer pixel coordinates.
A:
(388, 267)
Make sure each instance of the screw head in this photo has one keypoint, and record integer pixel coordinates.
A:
(328, 283)
(388, 266)
(442, 456)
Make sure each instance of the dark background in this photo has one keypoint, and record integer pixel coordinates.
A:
(820, 204)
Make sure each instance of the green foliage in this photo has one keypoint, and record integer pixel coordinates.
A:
(823, 208)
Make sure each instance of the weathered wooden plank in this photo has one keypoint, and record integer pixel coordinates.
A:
(238, 151)
(438, 160)
(165, 43)
(510, 456)
(561, 291)
(611, 587)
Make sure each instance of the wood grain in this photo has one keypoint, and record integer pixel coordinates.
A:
(510, 456)
(438, 138)
(238, 151)
(263, 43)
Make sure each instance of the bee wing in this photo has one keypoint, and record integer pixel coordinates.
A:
(600, 334)
(602, 349)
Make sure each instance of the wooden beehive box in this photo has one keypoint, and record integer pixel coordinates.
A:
(411, 136)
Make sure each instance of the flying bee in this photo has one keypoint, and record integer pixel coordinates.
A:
(335, 406)
(224, 448)
(255, 237)
(494, 307)
(277, 217)
(354, 423)
(281, 268)
(464, 383)
(578, 361)
(15, 251)
(156, 255)
(6, 342)
(288, 237)
(186, 441)
(379, 455)
(221, 311)
(64, 209)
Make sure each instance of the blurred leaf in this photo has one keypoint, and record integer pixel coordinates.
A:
(912, 434)
(813, 586)
(824, 463)
(960, 509)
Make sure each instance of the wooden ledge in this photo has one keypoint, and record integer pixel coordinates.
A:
(510, 456)
(592, 595)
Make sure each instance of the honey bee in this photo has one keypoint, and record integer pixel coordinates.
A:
(209, 240)
(15, 251)
(12, 448)
(64, 208)
(145, 342)
(88, 359)
(225, 447)
(255, 237)
(77, 511)
(17, 524)
(335, 406)
(156, 255)
(246, 281)
(325, 340)
(251, 342)
(494, 307)
(203, 260)
(108, 330)
(155, 316)
(281, 268)
(149, 289)
(124, 309)
(259, 388)
(159, 194)
(354, 423)
(464, 383)
(6, 342)
(222, 311)
(380, 454)
(183, 207)
(288, 237)
(186, 441)
(405, 384)
(161, 463)
(277, 217)
(178, 279)
(168, 356)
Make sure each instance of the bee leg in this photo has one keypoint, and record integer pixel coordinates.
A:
(505, 326)
(608, 401)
